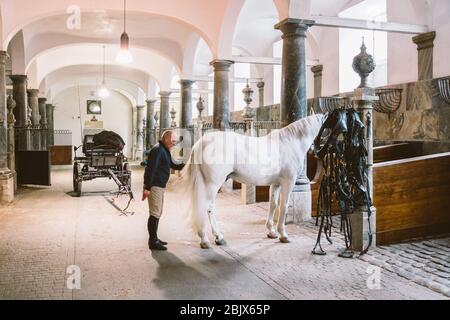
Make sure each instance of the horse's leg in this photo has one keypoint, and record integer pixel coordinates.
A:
(202, 209)
(220, 241)
(274, 196)
(286, 189)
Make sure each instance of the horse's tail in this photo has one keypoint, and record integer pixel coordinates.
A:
(190, 190)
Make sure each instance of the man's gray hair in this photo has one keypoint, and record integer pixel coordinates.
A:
(166, 132)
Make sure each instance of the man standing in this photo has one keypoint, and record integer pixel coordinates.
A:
(156, 176)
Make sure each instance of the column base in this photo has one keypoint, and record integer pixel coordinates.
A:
(6, 187)
(360, 228)
(300, 205)
(139, 155)
(248, 194)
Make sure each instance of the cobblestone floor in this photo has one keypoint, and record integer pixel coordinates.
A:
(46, 230)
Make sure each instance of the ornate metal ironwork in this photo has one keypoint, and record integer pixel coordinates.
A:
(237, 126)
(443, 85)
(390, 100)
(329, 104)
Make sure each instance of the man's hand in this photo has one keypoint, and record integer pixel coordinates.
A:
(145, 194)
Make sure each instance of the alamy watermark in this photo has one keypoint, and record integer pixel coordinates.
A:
(73, 281)
(373, 282)
(73, 22)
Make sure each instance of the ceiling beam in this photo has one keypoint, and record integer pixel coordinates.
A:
(211, 79)
(337, 22)
(267, 60)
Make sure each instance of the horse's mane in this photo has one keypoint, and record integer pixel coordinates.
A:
(296, 128)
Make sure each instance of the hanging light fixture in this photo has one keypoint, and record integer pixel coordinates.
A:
(103, 92)
(124, 56)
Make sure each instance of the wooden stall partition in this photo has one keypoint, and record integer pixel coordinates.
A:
(61, 155)
(398, 151)
(412, 197)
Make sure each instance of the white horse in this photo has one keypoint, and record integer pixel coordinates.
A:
(273, 160)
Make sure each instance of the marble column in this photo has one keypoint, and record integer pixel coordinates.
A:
(43, 122)
(50, 124)
(164, 114)
(150, 141)
(6, 175)
(21, 98)
(21, 111)
(186, 103)
(221, 116)
(139, 132)
(425, 45)
(33, 101)
(259, 111)
(11, 139)
(317, 71)
(294, 104)
(364, 98)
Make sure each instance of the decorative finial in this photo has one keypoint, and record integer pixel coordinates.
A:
(248, 113)
(200, 107)
(363, 65)
(173, 114)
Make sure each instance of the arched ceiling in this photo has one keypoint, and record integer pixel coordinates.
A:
(205, 21)
(133, 93)
(137, 77)
(150, 63)
(164, 36)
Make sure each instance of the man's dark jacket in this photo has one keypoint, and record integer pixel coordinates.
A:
(159, 163)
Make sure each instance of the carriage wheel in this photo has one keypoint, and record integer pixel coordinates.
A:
(77, 179)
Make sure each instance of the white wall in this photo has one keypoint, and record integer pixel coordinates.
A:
(441, 24)
(116, 114)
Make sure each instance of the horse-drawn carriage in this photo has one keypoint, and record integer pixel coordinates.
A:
(103, 158)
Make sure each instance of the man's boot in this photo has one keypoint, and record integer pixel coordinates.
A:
(159, 240)
(153, 243)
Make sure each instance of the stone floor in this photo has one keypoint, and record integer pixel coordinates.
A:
(47, 230)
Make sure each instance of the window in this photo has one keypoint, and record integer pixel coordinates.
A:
(277, 53)
(350, 41)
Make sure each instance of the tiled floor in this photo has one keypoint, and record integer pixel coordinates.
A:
(47, 230)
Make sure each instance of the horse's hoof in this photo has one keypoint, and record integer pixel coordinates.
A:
(272, 235)
(205, 245)
(284, 240)
(221, 242)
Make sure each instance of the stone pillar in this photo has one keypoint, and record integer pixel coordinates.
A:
(221, 117)
(21, 99)
(425, 45)
(186, 103)
(294, 104)
(164, 120)
(317, 71)
(248, 192)
(11, 139)
(50, 124)
(33, 101)
(6, 175)
(364, 99)
(21, 111)
(150, 141)
(43, 122)
(139, 132)
(259, 111)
